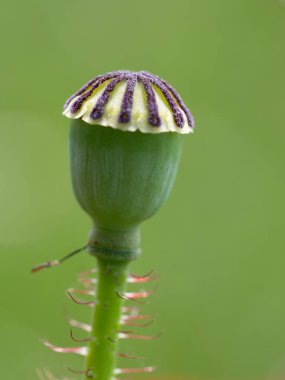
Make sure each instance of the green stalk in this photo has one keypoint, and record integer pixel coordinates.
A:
(102, 353)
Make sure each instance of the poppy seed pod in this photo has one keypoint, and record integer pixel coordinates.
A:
(125, 145)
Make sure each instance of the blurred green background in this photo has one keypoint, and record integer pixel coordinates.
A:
(218, 244)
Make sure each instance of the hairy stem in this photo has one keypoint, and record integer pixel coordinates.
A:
(101, 359)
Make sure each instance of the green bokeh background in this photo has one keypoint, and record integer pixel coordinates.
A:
(218, 244)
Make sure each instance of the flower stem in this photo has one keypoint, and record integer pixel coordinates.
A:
(102, 353)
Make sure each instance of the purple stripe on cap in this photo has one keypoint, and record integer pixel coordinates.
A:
(178, 98)
(177, 115)
(181, 104)
(153, 118)
(79, 92)
(127, 104)
(98, 110)
(82, 98)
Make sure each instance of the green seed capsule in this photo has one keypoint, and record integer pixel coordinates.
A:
(121, 175)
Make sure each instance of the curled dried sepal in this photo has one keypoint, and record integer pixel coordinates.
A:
(129, 335)
(130, 101)
(79, 340)
(125, 296)
(88, 373)
(132, 278)
(128, 356)
(125, 322)
(119, 371)
(126, 318)
(85, 292)
(53, 263)
(47, 264)
(140, 294)
(80, 325)
(80, 302)
(70, 350)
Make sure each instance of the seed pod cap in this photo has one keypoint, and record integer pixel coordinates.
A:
(130, 101)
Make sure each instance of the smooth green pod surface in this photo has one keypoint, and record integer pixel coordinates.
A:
(121, 178)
